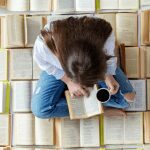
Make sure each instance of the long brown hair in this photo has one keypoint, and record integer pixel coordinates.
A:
(78, 43)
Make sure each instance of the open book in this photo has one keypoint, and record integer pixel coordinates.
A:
(124, 129)
(119, 4)
(77, 133)
(65, 6)
(40, 5)
(139, 103)
(3, 65)
(127, 27)
(20, 64)
(4, 97)
(15, 5)
(22, 95)
(5, 132)
(12, 31)
(84, 107)
(33, 25)
(30, 130)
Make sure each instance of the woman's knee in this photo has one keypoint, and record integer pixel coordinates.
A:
(130, 96)
(39, 109)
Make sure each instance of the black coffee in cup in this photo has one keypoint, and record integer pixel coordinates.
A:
(103, 95)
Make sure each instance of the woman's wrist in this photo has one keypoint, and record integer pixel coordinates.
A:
(65, 79)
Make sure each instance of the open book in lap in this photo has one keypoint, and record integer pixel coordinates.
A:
(84, 107)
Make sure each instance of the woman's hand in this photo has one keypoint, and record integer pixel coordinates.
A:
(112, 84)
(75, 89)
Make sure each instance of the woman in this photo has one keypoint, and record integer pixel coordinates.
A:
(74, 54)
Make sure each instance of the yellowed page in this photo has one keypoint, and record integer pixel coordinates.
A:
(22, 148)
(70, 133)
(20, 64)
(40, 5)
(4, 129)
(89, 132)
(147, 127)
(23, 129)
(126, 26)
(145, 27)
(33, 26)
(133, 128)
(128, 4)
(139, 103)
(3, 65)
(15, 5)
(85, 5)
(21, 96)
(3, 3)
(44, 131)
(113, 129)
(63, 6)
(148, 62)
(142, 62)
(107, 4)
(132, 55)
(14, 31)
(109, 17)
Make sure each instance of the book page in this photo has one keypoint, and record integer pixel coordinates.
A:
(89, 132)
(3, 65)
(139, 103)
(128, 4)
(132, 55)
(127, 35)
(85, 5)
(23, 129)
(4, 129)
(133, 128)
(147, 127)
(76, 106)
(107, 4)
(142, 62)
(109, 17)
(147, 62)
(33, 26)
(14, 27)
(21, 96)
(3, 3)
(20, 64)
(145, 27)
(22, 148)
(92, 105)
(44, 131)
(40, 5)
(148, 94)
(63, 6)
(70, 133)
(113, 129)
(145, 2)
(15, 5)
(2, 97)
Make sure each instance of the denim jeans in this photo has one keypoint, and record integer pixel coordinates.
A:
(49, 101)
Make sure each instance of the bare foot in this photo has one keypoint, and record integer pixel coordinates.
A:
(114, 112)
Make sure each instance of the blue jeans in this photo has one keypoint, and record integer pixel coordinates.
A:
(49, 101)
